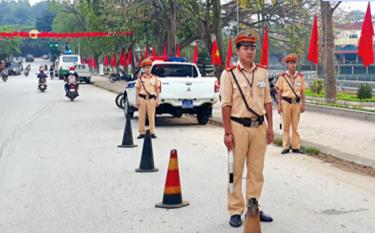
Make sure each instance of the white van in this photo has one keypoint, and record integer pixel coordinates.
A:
(65, 62)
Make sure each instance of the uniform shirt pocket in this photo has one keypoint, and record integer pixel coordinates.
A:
(244, 88)
(260, 87)
(298, 85)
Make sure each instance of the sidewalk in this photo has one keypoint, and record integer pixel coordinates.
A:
(345, 138)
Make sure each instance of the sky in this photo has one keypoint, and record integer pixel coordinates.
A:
(348, 5)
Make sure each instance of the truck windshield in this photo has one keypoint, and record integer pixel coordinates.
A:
(70, 59)
(174, 70)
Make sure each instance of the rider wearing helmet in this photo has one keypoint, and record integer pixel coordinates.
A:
(68, 79)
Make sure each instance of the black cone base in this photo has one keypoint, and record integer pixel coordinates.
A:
(147, 158)
(127, 139)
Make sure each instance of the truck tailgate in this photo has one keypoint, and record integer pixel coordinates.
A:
(187, 88)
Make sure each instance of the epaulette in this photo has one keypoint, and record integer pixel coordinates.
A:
(261, 66)
(300, 74)
(230, 68)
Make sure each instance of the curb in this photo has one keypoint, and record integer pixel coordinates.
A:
(353, 114)
(324, 149)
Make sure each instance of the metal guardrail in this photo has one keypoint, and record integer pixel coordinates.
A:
(344, 82)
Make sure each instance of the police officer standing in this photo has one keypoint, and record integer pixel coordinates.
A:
(246, 106)
(147, 98)
(291, 86)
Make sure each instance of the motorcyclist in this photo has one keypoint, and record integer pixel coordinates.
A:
(3, 72)
(51, 71)
(42, 76)
(2, 65)
(68, 80)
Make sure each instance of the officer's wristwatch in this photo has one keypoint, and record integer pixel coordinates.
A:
(227, 134)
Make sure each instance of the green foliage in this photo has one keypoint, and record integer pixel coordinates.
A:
(278, 141)
(44, 22)
(364, 91)
(8, 47)
(317, 86)
(311, 150)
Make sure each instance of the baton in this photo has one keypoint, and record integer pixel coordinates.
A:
(230, 162)
(281, 123)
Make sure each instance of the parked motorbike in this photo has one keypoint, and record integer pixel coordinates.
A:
(42, 85)
(273, 90)
(119, 76)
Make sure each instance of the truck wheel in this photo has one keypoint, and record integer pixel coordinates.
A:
(202, 119)
(88, 80)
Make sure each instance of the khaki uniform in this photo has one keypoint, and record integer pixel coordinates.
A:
(291, 112)
(249, 142)
(147, 105)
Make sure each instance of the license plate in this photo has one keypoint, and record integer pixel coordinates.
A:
(187, 104)
(72, 89)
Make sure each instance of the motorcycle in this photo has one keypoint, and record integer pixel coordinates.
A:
(42, 86)
(273, 90)
(119, 76)
(26, 72)
(72, 93)
(72, 87)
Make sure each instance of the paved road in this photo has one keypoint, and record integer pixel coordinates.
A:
(61, 171)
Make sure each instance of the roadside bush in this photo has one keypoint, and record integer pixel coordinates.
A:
(311, 150)
(364, 91)
(316, 86)
(278, 141)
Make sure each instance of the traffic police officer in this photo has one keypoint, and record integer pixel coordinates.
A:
(147, 98)
(291, 86)
(246, 106)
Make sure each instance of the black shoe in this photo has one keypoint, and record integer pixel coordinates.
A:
(264, 217)
(153, 135)
(297, 151)
(141, 136)
(235, 220)
(285, 151)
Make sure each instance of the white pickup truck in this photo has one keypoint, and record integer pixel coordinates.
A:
(183, 90)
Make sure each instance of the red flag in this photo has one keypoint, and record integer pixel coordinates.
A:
(153, 51)
(264, 55)
(106, 60)
(114, 60)
(313, 54)
(215, 54)
(229, 54)
(195, 57)
(123, 59)
(130, 56)
(89, 61)
(366, 43)
(165, 53)
(178, 51)
(93, 62)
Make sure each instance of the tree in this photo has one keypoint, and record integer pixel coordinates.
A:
(328, 49)
(44, 22)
